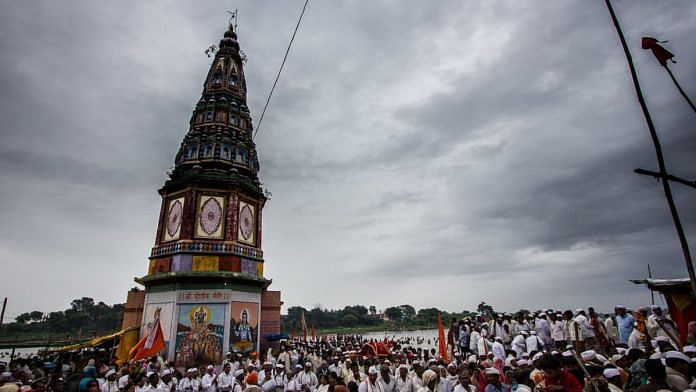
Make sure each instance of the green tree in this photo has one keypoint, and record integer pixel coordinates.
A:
(428, 315)
(373, 310)
(393, 313)
(408, 311)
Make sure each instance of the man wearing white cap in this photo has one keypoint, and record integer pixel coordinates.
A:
(519, 344)
(660, 325)
(493, 380)
(110, 385)
(677, 370)
(498, 349)
(307, 378)
(403, 380)
(613, 376)
(473, 340)
(267, 369)
(533, 343)
(558, 331)
(279, 377)
(543, 329)
(371, 384)
(207, 382)
(189, 383)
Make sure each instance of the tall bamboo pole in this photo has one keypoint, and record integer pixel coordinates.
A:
(658, 151)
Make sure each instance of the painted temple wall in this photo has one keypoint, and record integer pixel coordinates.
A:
(201, 326)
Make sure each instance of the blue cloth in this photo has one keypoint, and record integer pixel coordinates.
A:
(492, 388)
(84, 382)
(625, 326)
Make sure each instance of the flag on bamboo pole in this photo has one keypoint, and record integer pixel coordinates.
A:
(150, 344)
(441, 341)
(314, 334)
(303, 323)
(661, 54)
(128, 340)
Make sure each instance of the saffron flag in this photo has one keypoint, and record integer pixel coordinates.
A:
(150, 344)
(303, 323)
(661, 54)
(314, 335)
(441, 341)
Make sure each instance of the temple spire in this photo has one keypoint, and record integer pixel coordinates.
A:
(219, 141)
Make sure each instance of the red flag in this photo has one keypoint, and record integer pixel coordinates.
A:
(303, 323)
(150, 344)
(441, 341)
(661, 54)
(314, 335)
(292, 333)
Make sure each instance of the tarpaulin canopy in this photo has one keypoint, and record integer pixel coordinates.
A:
(93, 342)
(680, 301)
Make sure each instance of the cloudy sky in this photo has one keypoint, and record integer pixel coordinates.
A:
(431, 153)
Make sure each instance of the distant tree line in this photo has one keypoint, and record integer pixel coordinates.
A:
(402, 316)
(83, 315)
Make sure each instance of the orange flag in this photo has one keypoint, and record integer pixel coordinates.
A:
(303, 323)
(314, 336)
(149, 345)
(441, 341)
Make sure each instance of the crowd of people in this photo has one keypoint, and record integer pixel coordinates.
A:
(543, 351)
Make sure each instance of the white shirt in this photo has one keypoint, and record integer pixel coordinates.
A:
(388, 386)
(367, 386)
(498, 351)
(268, 385)
(518, 345)
(109, 386)
(307, 378)
(225, 381)
(404, 385)
(292, 385)
(280, 380)
(558, 331)
(532, 343)
(460, 388)
(207, 382)
(186, 384)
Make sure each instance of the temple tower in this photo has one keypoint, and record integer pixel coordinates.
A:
(206, 269)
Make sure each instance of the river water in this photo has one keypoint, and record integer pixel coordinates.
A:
(429, 336)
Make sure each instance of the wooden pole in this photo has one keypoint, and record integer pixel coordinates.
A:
(2, 313)
(658, 152)
(680, 89)
(671, 177)
(652, 293)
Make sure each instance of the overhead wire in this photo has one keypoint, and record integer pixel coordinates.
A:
(287, 51)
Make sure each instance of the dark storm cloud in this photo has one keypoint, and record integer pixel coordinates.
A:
(486, 147)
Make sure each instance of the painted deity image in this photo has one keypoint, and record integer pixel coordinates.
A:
(199, 336)
(244, 330)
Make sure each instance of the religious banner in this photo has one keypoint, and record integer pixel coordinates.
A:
(199, 334)
(166, 310)
(244, 327)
